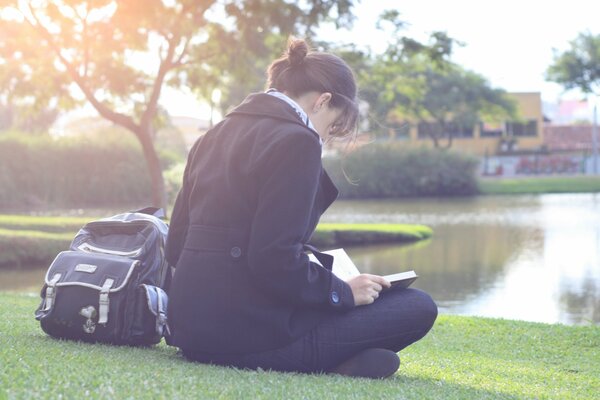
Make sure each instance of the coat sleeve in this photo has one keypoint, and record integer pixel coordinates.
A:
(289, 183)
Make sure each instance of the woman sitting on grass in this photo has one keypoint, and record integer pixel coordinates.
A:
(244, 292)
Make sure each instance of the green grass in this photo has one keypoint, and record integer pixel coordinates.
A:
(46, 224)
(461, 358)
(330, 234)
(30, 240)
(566, 184)
(418, 231)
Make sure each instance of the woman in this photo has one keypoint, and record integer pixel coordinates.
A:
(244, 292)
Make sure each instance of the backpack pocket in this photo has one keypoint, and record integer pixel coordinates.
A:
(147, 322)
(85, 296)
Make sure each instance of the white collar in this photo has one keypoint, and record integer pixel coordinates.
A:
(301, 113)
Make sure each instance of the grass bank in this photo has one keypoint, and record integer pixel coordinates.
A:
(461, 358)
(19, 248)
(538, 185)
(42, 223)
(30, 240)
(329, 235)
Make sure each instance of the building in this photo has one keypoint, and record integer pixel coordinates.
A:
(508, 137)
(568, 138)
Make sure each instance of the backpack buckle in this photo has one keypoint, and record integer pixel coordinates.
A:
(103, 303)
(51, 292)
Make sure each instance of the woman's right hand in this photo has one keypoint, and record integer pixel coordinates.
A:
(366, 288)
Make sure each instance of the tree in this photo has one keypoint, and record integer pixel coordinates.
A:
(119, 55)
(25, 119)
(579, 66)
(415, 82)
(443, 102)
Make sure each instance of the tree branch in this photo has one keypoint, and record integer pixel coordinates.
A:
(179, 61)
(166, 65)
(118, 118)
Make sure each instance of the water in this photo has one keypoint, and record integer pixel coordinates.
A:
(29, 279)
(534, 258)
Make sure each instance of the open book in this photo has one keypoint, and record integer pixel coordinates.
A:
(344, 268)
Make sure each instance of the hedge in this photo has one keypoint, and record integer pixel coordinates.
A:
(391, 170)
(71, 172)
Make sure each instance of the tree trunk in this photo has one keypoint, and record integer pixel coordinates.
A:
(449, 143)
(159, 195)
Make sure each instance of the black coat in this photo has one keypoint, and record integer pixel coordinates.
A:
(253, 191)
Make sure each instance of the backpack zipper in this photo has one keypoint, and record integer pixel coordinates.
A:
(93, 249)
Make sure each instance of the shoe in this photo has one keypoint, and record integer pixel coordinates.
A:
(369, 363)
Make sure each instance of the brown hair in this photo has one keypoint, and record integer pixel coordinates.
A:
(300, 71)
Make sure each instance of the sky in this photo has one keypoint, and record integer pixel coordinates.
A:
(509, 42)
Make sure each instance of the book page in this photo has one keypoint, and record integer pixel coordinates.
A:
(343, 267)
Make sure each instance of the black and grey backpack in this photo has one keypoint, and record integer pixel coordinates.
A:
(110, 286)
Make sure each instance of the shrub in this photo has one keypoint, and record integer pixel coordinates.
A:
(381, 170)
(71, 172)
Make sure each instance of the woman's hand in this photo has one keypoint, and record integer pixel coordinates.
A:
(366, 288)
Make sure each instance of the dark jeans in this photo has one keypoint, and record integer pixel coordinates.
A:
(396, 319)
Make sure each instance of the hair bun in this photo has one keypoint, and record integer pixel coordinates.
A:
(297, 50)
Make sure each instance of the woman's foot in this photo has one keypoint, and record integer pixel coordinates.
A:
(370, 363)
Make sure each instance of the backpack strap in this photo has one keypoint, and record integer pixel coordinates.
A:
(103, 303)
(157, 301)
(51, 292)
(155, 211)
(162, 327)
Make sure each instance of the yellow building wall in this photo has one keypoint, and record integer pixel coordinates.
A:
(529, 107)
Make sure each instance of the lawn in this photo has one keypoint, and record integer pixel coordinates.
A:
(32, 240)
(538, 185)
(462, 358)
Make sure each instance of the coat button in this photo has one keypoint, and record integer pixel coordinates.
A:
(235, 252)
(335, 298)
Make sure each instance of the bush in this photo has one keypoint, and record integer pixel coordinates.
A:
(71, 172)
(382, 170)
(173, 181)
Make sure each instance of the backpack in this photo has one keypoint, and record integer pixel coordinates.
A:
(110, 285)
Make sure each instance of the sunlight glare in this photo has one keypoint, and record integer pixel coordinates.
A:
(11, 14)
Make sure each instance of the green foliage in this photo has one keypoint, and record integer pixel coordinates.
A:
(531, 185)
(26, 119)
(577, 67)
(388, 169)
(415, 91)
(79, 172)
(415, 82)
(173, 181)
(209, 44)
(461, 358)
(337, 235)
(121, 54)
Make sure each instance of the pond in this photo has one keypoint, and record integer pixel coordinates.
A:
(534, 258)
